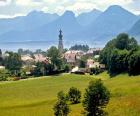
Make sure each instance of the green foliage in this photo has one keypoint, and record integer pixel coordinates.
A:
(134, 63)
(39, 69)
(82, 61)
(118, 62)
(95, 71)
(96, 98)
(4, 74)
(13, 62)
(115, 55)
(80, 47)
(39, 95)
(124, 42)
(24, 52)
(61, 107)
(1, 59)
(66, 68)
(55, 57)
(48, 68)
(74, 95)
(23, 74)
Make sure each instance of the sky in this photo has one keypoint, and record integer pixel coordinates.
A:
(12, 8)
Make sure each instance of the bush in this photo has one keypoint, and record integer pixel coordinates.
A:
(16, 78)
(61, 107)
(66, 68)
(4, 74)
(74, 95)
(95, 71)
(23, 75)
(96, 98)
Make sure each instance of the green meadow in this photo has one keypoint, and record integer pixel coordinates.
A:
(36, 97)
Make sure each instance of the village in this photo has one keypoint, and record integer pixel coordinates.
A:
(78, 61)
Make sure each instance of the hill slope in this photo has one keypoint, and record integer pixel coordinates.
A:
(135, 30)
(37, 96)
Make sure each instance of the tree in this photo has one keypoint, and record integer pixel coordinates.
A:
(74, 95)
(118, 62)
(13, 62)
(82, 61)
(61, 107)
(20, 51)
(115, 54)
(96, 98)
(1, 58)
(134, 63)
(80, 47)
(66, 68)
(49, 68)
(39, 69)
(123, 41)
(55, 57)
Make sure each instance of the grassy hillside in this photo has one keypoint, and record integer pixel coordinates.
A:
(36, 97)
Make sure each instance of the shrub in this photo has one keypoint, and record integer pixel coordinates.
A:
(4, 74)
(74, 95)
(61, 107)
(96, 98)
(16, 78)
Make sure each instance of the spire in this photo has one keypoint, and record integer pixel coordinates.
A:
(60, 45)
(60, 34)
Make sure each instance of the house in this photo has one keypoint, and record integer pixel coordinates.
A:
(72, 56)
(40, 58)
(27, 58)
(92, 64)
(94, 51)
(2, 67)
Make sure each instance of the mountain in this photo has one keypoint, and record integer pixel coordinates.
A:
(87, 18)
(111, 22)
(39, 26)
(33, 20)
(135, 30)
(47, 32)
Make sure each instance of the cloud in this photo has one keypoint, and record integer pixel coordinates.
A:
(4, 2)
(13, 7)
(79, 7)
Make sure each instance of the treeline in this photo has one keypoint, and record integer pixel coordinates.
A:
(80, 47)
(121, 55)
(25, 52)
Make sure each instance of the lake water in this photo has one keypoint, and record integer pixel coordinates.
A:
(14, 46)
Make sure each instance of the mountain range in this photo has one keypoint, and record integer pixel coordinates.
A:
(91, 27)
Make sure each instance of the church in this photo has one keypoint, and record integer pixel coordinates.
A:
(60, 44)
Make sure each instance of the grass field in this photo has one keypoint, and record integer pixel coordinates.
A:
(36, 97)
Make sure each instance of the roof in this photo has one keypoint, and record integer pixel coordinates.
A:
(26, 58)
(2, 67)
(40, 58)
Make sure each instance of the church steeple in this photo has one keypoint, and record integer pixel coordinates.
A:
(60, 45)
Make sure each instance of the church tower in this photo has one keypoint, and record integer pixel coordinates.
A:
(60, 45)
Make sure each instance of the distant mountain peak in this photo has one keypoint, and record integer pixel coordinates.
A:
(69, 13)
(35, 12)
(96, 10)
(116, 8)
